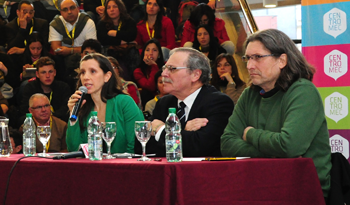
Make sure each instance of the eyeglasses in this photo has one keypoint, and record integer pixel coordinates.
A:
(171, 68)
(255, 57)
(70, 8)
(40, 107)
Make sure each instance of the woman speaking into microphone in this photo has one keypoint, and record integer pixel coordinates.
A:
(105, 96)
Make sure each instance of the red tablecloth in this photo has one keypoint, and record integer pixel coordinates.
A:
(127, 181)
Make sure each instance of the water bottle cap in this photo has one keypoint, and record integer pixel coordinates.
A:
(29, 115)
(172, 110)
(94, 113)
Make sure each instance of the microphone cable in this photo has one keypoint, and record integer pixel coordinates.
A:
(13, 167)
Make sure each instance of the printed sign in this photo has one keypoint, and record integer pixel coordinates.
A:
(336, 106)
(339, 144)
(335, 64)
(334, 22)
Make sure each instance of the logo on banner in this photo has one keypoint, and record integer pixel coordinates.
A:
(336, 106)
(334, 22)
(339, 144)
(335, 64)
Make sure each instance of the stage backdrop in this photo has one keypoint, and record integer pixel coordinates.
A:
(326, 45)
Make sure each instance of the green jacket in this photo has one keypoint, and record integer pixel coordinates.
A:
(285, 125)
(120, 109)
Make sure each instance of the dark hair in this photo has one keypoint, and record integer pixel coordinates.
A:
(213, 42)
(24, 2)
(156, 76)
(158, 24)
(93, 44)
(43, 61)
(109, 90)
(116, 63)
(200, 10)
(32, 38)
(279, 43)
(216, 81)
(123, 14)
(196, 60)
(160, 59)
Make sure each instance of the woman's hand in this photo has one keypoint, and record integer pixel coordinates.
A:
(149, 60)
(74, 99)
(100, 10)
(228, 77)
(27, 66)
(112, 33)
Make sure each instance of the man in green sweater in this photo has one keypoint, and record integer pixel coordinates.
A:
(281, 114)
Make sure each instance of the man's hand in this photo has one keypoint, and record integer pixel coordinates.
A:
(3, 68)
(100, 10)
(22, 19)
(245, 132)
(196, 124)
(156, 124)
(15, 50)
(64, 51)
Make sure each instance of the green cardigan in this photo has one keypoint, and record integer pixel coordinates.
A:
(286, 125)
(120, 109)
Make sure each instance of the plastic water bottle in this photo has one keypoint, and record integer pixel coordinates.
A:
(29, 136)
(95, 137)
(173, 139)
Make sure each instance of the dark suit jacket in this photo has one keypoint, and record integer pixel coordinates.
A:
(15, 36)
(211, 104)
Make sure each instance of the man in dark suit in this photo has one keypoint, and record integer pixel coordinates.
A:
(18, 30)
(186, 78)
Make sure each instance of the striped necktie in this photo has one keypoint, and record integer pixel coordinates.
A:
(181, 113)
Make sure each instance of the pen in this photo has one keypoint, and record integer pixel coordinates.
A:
(224, 158)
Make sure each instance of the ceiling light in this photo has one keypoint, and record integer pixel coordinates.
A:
(270, 3)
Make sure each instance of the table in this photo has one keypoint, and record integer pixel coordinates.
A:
(127, 181)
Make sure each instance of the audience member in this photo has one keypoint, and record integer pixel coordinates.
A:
(203, 14)
(52, 8)
(225, 77)
(16, 141)
(69, 31)
(205, 110)
(104, 96)
(150, 105)
(18, 30)
(116, 26)
(39, 106)
(281, 114)
(127, 86)
(56, 91)
(156, 25)
(151, 63)
(206, 43)
(3, 104)
(5, 8)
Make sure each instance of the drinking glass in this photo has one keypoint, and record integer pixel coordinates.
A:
(143, 131)
(44, 134)
(109, 130)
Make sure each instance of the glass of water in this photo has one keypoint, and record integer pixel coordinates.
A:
(109, 130)
(44, 134)
(143, 131)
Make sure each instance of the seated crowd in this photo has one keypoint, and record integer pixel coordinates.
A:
(135, 68)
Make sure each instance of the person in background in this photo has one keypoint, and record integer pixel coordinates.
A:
(4, 105)
(39, 106)
(104, 96)
(225, 77)
(16, 141)
(204, 110)
(18, 30)
(206, 43)
(116, 26)
(152, 61)
(56, 91)
(150, 105)
(156, 25)
(128, 86)
(281, 114)
(203, 14)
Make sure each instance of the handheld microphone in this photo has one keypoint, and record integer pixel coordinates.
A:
(71, 155)
(77, 105)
